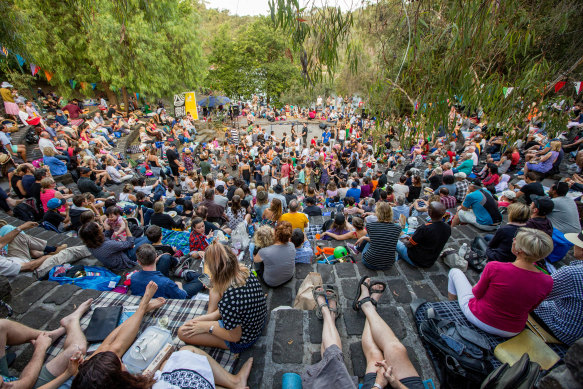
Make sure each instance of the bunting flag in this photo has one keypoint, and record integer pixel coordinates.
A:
(83, 85)
(578, 87)
(48, 75)
(34, 69)
(113, 89)
(559, 85)
(72, 83)
(20, 60)
(5, 51)
(507, 91)
(93, 85)
(137, 96)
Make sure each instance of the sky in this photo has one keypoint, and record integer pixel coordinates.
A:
(261, 7)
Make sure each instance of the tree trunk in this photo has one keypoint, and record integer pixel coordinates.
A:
(111, 96)
(126, 99)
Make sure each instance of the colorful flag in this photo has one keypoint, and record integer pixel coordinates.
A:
(507, 91)
(49, 75)
(20, 60)
(5, 51)
(137, 96)
(559, 85)
(578, 86)
(72, 83)
(34, 69)
(83, 84)
(93, 85)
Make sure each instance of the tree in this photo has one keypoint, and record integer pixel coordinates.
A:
(142, 46)
(251, 60)
(425, 56)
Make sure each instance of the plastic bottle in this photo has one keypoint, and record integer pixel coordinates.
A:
(463, 250)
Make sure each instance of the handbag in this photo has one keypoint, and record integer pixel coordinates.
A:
(521, 375)
(103, 322)
(304, 298)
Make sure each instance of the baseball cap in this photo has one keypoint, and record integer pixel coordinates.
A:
(339, 218)
(54, 203)
(460, 175)
(544, 205)
(84, 170)
(170, 201)
(509, 194)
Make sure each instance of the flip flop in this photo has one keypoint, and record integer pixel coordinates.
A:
(355, 304)
(316, 294)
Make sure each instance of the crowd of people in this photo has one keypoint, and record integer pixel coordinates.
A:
(268, 187)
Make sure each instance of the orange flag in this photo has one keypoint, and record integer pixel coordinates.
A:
(49, 75)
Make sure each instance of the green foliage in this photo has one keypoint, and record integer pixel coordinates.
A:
(249, 60)
(150, 47)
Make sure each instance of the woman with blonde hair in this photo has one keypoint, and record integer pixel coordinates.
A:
(507, 292)
(500, 244)
(545, 163)
(56, 166)
(236, 311)
(49, 191)
(379, 253)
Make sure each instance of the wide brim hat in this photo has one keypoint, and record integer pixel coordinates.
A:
(575, 238)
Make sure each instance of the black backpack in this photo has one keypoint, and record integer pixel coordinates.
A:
(26, 212)
(31, 137)
(460, 354)
(522, 375)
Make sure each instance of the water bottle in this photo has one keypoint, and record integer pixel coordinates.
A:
(463, 250)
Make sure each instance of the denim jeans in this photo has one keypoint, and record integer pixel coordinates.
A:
(165, 263)
(402, 253)
(192, 285)
(137, 243)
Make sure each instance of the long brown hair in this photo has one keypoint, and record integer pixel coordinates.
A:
(91, 235)
(104, 370)
(224, 268)
(276, 209)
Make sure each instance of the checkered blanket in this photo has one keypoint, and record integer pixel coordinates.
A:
(178, 312)
(450, 310)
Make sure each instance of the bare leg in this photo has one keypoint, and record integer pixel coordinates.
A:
(75, 340)
(223, 377)
(123, 336)
(371, 351)
(455, 221)
(206, 340)
(330, 334)
(393, 350)
(13, 333)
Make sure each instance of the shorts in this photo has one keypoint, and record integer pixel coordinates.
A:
(174, 170)
(45, 377)
(409, 382)
(236, 348)
(14, 148)
(330, 372)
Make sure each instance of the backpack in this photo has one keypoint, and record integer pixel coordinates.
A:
(31, 137)
(522, 375)
(460, 354)
(26, 212)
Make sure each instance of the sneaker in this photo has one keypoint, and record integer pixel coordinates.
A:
(352, 248)
(181, 269)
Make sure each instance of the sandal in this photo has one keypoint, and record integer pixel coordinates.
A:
(331, 295)
(355, 304)
(373, 291)
(316, 294)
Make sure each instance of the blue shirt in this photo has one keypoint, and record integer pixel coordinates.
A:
(166, 287)
(326, 137)
(304, 253)
(56, 166)
(354, 193)
(475, 201)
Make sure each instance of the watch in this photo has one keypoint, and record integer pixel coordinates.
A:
(377, 386)
(18, 229)
(211, 329)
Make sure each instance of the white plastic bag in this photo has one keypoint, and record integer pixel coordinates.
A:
(240, 237)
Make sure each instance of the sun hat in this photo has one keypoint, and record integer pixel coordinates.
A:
(575, 238)
(6, 85)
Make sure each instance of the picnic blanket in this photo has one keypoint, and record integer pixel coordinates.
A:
(178, 239)
(178, 312)
(451, 310)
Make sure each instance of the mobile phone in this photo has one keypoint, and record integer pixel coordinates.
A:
(205, 280)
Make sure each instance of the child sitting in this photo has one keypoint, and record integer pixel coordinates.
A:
(115, 223)
(304, 252)
(147, 259)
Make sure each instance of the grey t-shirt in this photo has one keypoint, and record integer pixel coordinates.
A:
(221, 200)
(565, 216)
(279, 263)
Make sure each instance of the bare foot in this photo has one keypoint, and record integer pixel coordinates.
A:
(243, 375)
(332, 304)
(155, 304)
(56, 334)
(77, 314)
(60, 248)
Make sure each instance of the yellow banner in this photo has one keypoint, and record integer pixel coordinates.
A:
(190, 104)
